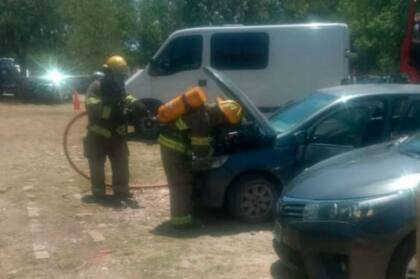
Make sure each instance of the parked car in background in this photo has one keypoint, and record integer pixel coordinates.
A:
(43, 90)
(257, 158)
(51, 87)
(272, 64)
(354, 215)
(10, 76)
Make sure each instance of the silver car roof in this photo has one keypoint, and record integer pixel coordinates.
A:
(371, 89)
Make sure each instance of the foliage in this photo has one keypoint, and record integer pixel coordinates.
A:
(217, 12)
(377, 29)
(80, 34)
(28, 25)
(92, 32)
(156, 22)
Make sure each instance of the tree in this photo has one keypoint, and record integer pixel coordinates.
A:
(156, 21)
(310, 10)
(218, 12)
(29, 26)
(127, 15)
(93, 35)
(377, 29)
(159, 18)
(81, 34)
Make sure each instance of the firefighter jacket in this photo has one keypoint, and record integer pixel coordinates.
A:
(189, 134)
(107, 116)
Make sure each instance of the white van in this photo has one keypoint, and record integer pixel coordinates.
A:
(271, 64)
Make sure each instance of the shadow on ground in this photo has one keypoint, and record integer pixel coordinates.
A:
(281, 271)
(210, 222)
(111, 202)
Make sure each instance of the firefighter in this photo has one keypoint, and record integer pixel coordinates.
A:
(186, 141)
(108, 105)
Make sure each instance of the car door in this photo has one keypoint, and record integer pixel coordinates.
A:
(177, 67)
(407, 117)
(348, 126)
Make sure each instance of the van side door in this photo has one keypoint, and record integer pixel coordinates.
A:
(348, 126)
(177, 67)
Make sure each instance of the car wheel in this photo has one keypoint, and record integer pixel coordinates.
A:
(403, 262)
(253, 199)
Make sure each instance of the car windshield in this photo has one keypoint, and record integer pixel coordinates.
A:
(295, 113)
(411, 146)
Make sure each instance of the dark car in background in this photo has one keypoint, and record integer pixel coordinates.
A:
(354, 215)
(10, 76)
(51, 87)
(43, 90)
(256, 159)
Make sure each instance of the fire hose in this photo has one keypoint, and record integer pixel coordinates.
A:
(81, 172)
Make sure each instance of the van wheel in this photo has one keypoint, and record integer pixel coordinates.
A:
(253, 199)
(150, 129)
(403, 262)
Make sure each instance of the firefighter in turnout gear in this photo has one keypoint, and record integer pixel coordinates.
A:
(186, 141)
(108, 106)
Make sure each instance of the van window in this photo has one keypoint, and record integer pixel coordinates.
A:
(181, 54)
(239, 51)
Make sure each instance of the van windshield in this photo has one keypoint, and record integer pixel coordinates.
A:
(295, 113)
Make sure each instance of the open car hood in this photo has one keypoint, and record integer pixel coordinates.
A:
(233, 92)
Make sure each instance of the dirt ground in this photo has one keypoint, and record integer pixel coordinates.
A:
(46, 231)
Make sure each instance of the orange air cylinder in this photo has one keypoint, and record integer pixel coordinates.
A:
(193, 98)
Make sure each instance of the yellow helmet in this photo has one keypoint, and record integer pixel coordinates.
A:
(117, 65)
(231, 109)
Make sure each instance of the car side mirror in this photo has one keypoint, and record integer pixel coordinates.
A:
(301, 137)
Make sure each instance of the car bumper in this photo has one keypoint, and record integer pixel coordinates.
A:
(332, 252)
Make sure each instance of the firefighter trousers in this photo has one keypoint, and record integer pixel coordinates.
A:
(97, 149)
(177, 168)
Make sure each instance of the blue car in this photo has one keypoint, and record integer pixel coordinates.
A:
(354, 215)
(256, 159)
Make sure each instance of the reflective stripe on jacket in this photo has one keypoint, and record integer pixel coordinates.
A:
(107, 119)
(173, 144)
(189, 134)
(100, 131)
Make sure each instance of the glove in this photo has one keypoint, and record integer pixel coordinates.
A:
(137, 112)
(139, 108)
(201, 163)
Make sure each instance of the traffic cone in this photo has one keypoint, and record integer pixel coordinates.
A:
(76, 101)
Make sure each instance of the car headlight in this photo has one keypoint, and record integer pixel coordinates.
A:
(346, 210)
(55, 76)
